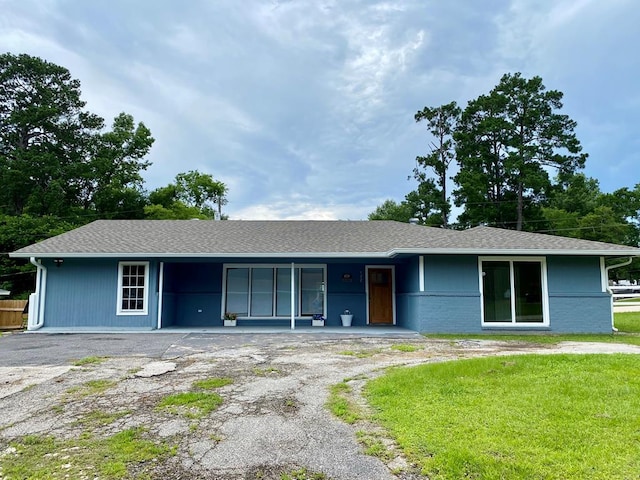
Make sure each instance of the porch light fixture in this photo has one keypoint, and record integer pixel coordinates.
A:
(58, 262)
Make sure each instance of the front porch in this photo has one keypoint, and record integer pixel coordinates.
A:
(269, 296)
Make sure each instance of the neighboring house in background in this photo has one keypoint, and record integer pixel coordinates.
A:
(148, 274)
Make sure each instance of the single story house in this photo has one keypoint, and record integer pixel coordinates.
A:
(152, 274)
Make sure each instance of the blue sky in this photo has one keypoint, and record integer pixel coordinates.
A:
(304, 108)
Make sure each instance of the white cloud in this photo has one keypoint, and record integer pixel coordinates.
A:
(305, 108)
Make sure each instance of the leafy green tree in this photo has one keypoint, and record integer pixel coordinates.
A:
(391, 210)
(17, 232)
(441, 123)
(200, 190)
(193, 195)
(55, 157)
(506, 142)
(111, 182)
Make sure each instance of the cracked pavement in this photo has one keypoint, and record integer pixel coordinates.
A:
(272, 418)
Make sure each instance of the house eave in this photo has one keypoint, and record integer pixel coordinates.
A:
(517, 251)
(203, 255)
(389, 254)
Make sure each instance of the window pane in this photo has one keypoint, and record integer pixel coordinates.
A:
(237, 291)
(496, 289)
(262, 292)
(528, 286)
(311, 291)
(283, 292)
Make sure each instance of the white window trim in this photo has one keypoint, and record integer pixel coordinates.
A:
(545, 292)
(145, 300)
(287, 266)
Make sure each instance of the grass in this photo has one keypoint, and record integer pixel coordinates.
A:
(361, 353)
(372, 445)
(628, 322)
(302, 474)
(546, 338)
(37, 456)
(519, 417)
(97, 418)
(212, 383)
(92, 387)
(403, 347)
(89, 361)
(191, 404)
(340, 405)
(263, 372)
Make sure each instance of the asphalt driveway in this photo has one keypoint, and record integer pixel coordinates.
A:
(272, 420)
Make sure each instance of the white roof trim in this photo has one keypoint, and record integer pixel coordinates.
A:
(388, 254)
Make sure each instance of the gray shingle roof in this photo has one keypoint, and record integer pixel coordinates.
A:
(182, 238)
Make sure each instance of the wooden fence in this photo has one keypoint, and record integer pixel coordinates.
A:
(11, 316)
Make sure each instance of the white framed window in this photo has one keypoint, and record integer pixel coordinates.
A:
(263, 291)
(513, 291)
(133, 288)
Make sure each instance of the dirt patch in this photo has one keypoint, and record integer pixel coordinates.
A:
(272, 422)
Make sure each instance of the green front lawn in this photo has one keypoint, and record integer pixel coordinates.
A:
(628, 322)
(518, 417)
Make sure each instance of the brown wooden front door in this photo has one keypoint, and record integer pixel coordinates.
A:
(380, 296)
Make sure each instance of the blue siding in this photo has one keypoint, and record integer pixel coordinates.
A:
(84, 293)
(576, 300)
(193, 294)
(451, 302)
(440, 313)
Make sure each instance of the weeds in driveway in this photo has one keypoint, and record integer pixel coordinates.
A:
(403, 347)
(361, 353)
(340, 405)
(89, 361)
(190, 404)
(373, 445)
(92, 387)
(263, 372)
(519, 417)
(98, 418)
(302, 474)
(212, 383)
(36, 456)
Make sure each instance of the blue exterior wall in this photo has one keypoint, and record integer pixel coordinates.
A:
(193, 292)
(451, 301)
(576, 300)
(83, 293)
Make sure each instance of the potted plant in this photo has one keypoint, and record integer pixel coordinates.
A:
(346, 318)
(230, 319)
(317, 320)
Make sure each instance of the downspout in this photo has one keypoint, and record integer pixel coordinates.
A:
(39, 295)
(293, 298)
(607, 269)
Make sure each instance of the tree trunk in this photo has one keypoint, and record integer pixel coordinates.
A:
(520, 207)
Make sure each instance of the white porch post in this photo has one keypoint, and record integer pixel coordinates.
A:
(293, 298)
(160, 289)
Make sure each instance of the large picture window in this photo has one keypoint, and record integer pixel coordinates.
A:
(514, 292)
(264, 291)
(133, 288)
